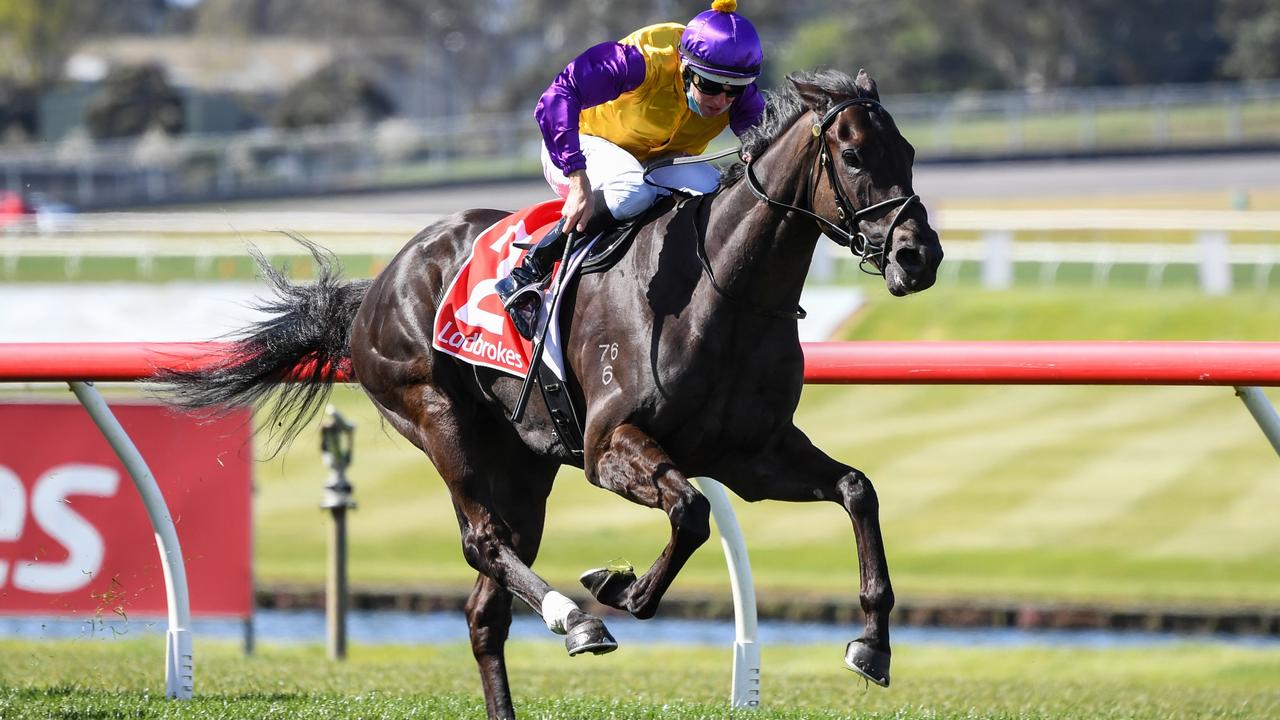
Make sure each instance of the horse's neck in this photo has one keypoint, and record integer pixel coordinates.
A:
(758, 252)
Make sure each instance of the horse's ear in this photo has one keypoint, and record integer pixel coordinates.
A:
(814, 97)
(867, 84)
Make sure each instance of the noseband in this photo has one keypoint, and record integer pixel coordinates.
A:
(848, 233)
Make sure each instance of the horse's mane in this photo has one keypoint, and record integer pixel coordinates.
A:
(782, 107)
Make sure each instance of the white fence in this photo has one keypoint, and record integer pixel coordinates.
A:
(1227, 250)
(1004, 242)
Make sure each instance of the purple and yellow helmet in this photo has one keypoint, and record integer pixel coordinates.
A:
(722, 45)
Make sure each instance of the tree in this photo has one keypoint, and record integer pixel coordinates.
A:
(337, 93)
(36, 36)
(979, 44)
(17, 112)
(133, 100)
(906, 46)
(1251, 29)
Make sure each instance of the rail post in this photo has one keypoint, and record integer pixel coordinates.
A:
(1263, 412)
(336, 436)
(744, 692)
(997, 260)
(179, 657)
(1215, 263)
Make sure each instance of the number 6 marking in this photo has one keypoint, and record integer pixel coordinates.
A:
(608, 352)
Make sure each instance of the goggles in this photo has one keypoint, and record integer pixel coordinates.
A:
(707, 86)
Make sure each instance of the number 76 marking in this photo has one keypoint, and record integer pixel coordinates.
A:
(608, 353)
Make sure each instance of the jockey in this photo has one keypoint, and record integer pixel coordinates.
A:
(663, 91)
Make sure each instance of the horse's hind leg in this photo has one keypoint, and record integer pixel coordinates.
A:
(489, 606)
(495, 523)
(633, 465)
(499, 490)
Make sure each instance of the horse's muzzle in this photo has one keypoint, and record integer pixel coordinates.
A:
(913, 261)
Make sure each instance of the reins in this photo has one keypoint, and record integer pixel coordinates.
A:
(871, 254)
(852, 237)
(701, 246)
(700, 242)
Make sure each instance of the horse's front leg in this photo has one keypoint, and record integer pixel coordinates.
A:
(797, 471)
(631, 463)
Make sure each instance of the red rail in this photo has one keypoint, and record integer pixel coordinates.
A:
(994, 363)
(39, 362)
(1044, 363)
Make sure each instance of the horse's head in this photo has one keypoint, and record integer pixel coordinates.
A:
(864, 190)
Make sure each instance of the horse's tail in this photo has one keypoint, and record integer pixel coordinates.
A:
(286, 364)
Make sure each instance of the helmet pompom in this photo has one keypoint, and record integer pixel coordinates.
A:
(725, 6)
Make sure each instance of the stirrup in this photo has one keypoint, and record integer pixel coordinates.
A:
(514, 284)
(529, 293)
(523, 307)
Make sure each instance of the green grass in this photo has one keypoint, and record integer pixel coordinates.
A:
(121, 679)
(235, 264)
(1103, 130)
(1084, 493)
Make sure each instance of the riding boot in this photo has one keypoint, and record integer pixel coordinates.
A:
(521, 291)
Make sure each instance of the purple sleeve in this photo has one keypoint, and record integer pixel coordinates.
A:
(597, 76)
(746, 111)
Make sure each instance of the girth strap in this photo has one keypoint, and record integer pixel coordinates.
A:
(555, 394)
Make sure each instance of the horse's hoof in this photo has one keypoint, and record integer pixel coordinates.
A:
(589, 635)
(868, 662)
(608, 586)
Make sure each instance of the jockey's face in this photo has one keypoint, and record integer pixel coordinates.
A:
(713, 98)
(711, 105)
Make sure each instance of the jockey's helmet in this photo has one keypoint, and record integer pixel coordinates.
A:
(721, 45)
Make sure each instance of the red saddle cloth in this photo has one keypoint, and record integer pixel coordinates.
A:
(471, 323)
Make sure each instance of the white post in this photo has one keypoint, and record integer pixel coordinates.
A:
(745, 692)
(1215, 265)
(179, 666)
(997, 261)
(1264, 413)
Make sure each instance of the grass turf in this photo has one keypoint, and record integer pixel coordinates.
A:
(120, 679)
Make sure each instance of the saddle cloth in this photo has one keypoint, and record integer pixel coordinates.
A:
(471, 323)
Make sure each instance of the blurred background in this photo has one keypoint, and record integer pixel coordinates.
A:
(1097, 169)
(132, 102)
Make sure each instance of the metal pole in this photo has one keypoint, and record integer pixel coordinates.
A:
(336, 436)
(179, 670)
(745, 691)
(1264, 413)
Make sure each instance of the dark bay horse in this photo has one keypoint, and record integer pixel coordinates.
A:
(684, 355)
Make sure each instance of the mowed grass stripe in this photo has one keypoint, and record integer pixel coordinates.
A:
(1117, 465)
(985, 505)
(1030, 449)
(1241, 526)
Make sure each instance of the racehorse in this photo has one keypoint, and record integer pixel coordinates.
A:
(700, 375)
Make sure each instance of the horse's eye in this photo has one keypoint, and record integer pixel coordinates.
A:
(851, 158)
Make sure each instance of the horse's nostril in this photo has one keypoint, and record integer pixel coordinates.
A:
(909, 258)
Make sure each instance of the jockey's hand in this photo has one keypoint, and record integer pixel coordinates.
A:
(578, 204)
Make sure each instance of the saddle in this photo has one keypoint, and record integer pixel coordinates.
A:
(602, 254)
(613, 245)
(472, 326)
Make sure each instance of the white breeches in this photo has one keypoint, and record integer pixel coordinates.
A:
(617, 174)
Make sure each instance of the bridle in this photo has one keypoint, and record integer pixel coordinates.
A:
(872, 253)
